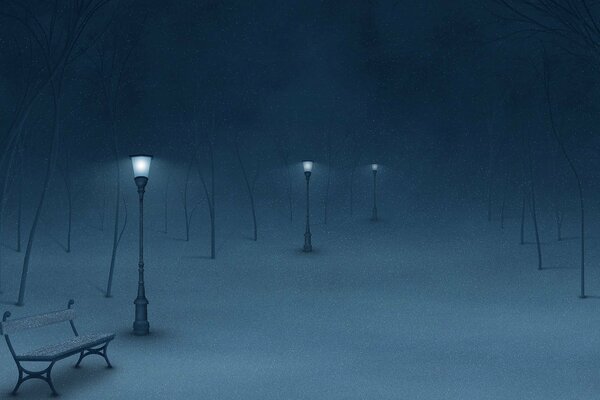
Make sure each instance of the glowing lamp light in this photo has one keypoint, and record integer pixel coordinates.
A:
(141, 165)
(374, 167)
(307, 165)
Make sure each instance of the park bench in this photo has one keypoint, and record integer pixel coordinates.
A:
(83, 345)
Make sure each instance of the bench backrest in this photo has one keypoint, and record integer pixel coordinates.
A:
(36, 321)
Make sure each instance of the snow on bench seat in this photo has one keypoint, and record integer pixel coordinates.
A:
(66, 348)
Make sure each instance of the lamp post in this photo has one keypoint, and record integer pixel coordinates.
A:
(141, 168)
(308, 166)
(374, 168)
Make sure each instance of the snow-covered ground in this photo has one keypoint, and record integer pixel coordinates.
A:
(424, 306)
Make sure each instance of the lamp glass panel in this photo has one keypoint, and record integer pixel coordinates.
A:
(307, 165)
(141, 165)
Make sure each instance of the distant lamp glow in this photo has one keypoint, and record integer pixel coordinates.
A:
(374, 167)
(307, 165)
(141, 165)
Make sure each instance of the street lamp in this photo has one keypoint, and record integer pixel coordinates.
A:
(374, 168)
(141, 168)
(308, 166)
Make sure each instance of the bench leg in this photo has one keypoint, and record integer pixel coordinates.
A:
(19, 382)
(101, 352)
(108, 364)
(44, 375)
(81, 355)
(49, 380)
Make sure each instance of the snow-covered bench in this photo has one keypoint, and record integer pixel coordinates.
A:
(82, 345)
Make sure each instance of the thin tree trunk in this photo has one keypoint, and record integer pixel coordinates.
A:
(523, 205)
(210, 198)
(166, 199)
(328, 183)
(352, 179)
(36, 218)
(212, 207)
(254, 218)
(559, 219)
(355, 160)
(285, 157)
(290, 192)
(502, 214)
(352, 191)
(56, 87)
(533, 207)
(489, 201)
(67, 180)
(70, 220)
(103, 212)
(19, 212)
(535, 225)
(573, 169)
(20, 177)
(249, 187)
(490, 178)
(503, 207)
(185, 200)
(3, 200)
(328, 180)
(115, 245)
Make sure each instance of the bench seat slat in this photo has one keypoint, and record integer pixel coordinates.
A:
(66, 348)
(36, 321)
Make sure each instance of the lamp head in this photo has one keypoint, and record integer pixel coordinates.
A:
(141, 165)
(374, 167)
(307, 165)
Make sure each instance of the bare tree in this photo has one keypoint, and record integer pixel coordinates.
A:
(209, 192)
(20, 178)
(561, 145)
(491, 158)
(503, 206)
(355, 156)
(166, 205)
(187, 213)
(113, 54)
(282, 141)
(205, 159)
(329, 158)
(494, 153)
(59, 42)
(103, 202)
(29, 89)
(523, 206)
(66, 175)
(533, 201)
(558, 215)
(250, 182)
(573, 26)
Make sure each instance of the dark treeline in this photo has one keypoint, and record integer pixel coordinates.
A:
(551, 105)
